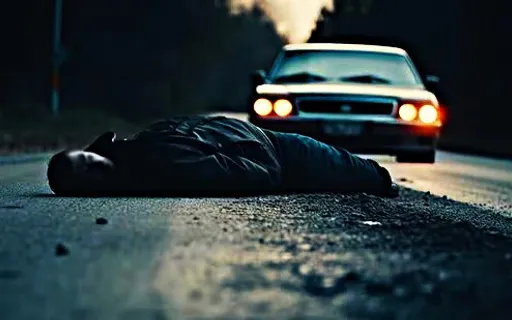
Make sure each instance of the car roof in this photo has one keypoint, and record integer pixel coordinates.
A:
(344, 47)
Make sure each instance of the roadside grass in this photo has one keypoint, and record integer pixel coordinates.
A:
(39, 131)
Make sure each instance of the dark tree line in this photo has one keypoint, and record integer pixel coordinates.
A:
(158, 57)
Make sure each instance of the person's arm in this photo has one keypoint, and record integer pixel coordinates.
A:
(159, 172)
(185, 168)
(102, 143)
(219, 174)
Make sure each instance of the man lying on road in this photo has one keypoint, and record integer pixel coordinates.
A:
(212, 156)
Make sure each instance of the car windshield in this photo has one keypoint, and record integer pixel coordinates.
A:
(344, 66)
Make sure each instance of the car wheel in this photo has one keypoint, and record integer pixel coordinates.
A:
(417, 157)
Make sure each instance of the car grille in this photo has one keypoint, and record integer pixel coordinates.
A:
(342, 106)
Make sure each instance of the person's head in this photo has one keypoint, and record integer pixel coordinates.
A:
(76, 172)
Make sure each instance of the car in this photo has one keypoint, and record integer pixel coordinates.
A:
(368, 99)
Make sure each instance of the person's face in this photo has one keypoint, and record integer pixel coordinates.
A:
(90, 168)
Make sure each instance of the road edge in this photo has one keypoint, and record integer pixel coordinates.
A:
(23, 158)
(475, 151)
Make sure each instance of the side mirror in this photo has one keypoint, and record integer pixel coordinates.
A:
(432, 83)
(431, 79)
(258, 78)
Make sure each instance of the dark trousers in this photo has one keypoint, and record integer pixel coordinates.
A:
(309, 165)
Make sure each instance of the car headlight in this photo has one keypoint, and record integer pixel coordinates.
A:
(408, 112)
(428, 114)
(263, 107)
(283, 107)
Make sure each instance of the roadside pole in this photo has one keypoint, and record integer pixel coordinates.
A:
(57, 56)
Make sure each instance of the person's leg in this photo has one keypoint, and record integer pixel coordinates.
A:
(312, 166)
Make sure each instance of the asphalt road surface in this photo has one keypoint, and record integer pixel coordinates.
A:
(328, 256)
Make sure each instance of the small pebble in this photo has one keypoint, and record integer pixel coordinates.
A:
(61, 250)
(195, 218)
(195, 295)
(101, 221)
(304, 247)
(371, 223)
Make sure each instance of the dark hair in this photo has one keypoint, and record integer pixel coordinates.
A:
(60, 173)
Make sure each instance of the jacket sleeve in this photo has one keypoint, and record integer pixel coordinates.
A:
(166, 169)
(220, 174)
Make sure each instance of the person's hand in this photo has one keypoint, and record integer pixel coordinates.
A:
(393, 191)
(102, 143)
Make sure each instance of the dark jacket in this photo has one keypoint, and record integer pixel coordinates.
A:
(193, 155)
(223, 156)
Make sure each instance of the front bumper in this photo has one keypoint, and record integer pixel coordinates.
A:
(376, 137)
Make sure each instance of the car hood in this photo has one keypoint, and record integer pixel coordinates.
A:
(413, 93)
